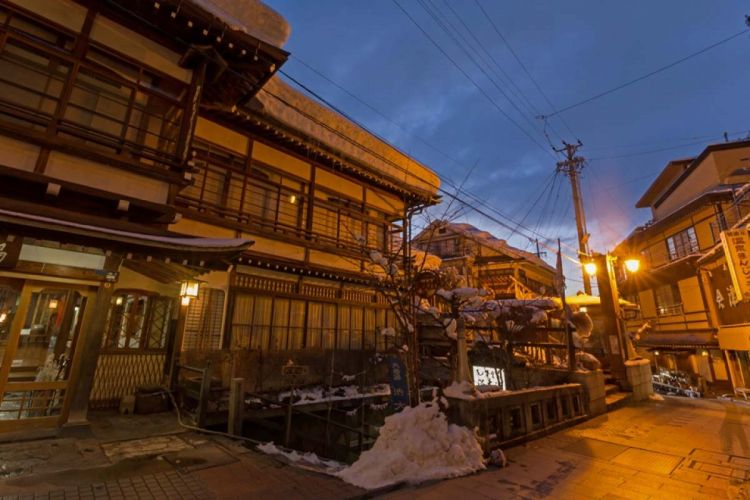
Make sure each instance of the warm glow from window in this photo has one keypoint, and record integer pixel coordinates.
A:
(293, 199)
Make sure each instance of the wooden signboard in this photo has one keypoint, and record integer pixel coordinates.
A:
(736, 244)
(294, 370)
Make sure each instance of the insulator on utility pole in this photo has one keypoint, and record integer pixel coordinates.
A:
(571, 166)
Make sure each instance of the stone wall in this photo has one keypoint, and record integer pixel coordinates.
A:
(639, 378)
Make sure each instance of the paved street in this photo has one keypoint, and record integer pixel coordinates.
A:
(673, 449)
(150, 457)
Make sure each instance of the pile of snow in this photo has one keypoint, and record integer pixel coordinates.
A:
(416, 445)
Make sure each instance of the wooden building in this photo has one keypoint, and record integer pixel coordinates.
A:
(486, 261)
(692, 201)
(145, 146)
(316, 194)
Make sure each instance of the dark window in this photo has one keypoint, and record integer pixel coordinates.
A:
(682, 244)
(668, 300)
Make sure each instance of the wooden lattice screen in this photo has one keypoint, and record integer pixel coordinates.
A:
(120, 373)
(203, 320)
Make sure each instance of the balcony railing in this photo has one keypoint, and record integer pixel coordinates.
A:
(97, 103)
(731, 215)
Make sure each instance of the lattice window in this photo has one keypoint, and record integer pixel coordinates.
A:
(161, 313)
(120, 373)
(204, 319)
(138, 320)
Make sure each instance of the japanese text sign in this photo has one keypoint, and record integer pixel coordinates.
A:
(736, 244)
(398, 379)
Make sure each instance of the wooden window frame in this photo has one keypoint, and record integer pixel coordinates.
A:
(110, 340)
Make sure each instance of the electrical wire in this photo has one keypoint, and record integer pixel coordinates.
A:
(523, 66)
(468, 77)
(345, 137)
(647, 75)
(658, 150)
(459, 190)
(530, 107)
(449, 29)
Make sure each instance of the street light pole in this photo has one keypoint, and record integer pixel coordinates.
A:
(614, 331)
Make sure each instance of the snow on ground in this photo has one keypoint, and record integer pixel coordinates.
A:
(303, 459)
(318, 394)
(415, 445)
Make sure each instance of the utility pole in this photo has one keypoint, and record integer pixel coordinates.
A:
(572, 166)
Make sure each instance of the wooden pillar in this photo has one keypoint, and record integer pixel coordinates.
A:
(90, 342)
(236, 406)
(174, 350)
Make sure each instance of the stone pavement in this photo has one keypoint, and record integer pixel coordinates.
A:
(168, 464)
(677, 448)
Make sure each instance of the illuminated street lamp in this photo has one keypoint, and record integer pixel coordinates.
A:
(590, 268)
(632, 265)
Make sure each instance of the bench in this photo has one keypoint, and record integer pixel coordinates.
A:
(742, 391)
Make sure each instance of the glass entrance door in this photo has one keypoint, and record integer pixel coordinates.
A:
(37, 342)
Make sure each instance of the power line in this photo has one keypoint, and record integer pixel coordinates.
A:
(659, 150)
(670, 141)
(531, 108)
(364, 148)
(468, 77)
(323, 100)
(523, 66)
(647, 75)
(449, 28)
(442, 190)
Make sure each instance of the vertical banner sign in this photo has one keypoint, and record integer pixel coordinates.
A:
(736, 244)
(397, 377)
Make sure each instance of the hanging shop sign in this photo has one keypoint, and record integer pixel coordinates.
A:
(736, 244)
(10, 249)
(730, 309)
(399, 382)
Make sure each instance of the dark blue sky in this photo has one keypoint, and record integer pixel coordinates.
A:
(573, 49)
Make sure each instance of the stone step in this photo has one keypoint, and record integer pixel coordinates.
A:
(611, 389)
(617, 400)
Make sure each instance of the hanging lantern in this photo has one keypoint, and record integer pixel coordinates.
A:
(188, 291)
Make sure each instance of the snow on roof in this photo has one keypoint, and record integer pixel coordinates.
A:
(296, 110)
(489, 240)
(249, 16)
